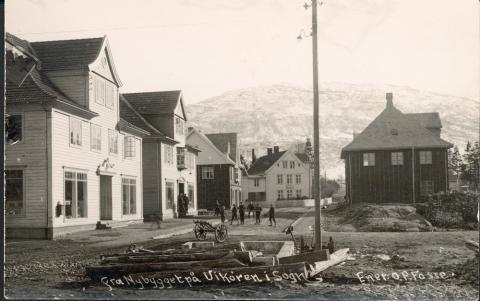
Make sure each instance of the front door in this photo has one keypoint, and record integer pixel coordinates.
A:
(105, 198)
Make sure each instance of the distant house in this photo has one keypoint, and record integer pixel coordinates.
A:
(218, 168)
(398, 158)
(168, 161)
(279, 175)
(73, 157)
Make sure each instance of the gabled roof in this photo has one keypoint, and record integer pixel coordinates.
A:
(226, 143)
(212, 146)
(394, 130)
(161, 102)
(130, 115)
(68, 54)
(427, 120)
(262, 164)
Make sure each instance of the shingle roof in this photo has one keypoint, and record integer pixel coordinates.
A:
(380, 133)
(427, 120)
(263, 163)
(130, 115)
(222, 140)
(22, 44)
(37, 87)
(163, 102)
(67, 54)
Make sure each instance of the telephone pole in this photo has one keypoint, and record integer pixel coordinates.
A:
(316, 131)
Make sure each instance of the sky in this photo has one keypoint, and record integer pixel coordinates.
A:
(207, 47)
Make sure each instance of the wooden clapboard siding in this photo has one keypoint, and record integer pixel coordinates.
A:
(30, 155)
(83, 158)
(212, 190)
(152, 178)
(386, 183)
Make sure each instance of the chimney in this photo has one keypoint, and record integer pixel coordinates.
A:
(269, 151)
(389, 97)
(254, 158)
(276, 149)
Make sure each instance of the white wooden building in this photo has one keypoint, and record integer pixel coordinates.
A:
(279, 175)
(73, 160)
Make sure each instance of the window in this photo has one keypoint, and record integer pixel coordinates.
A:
(99, 87)
(298, 179)
(169, 191)
(95, 137)
(129, 196)
(109, 95)
(168, 154)
(14, 202)
(105, 93)
(299, 193)
(181, 157)
(13, 129)
(292, 164)
(207, 172)
(75, 131)
(426, 187)
(369, 159)
(425, 157)
(179, 126)
(289, 179)
(285, 164)
(397, 158)
(75, 194)
(190, 160)
(289, 193)
(129, 146)
(280, 194)
(280, 179)
(256, 182)
(112, 142)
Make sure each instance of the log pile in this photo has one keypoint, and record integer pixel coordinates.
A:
(209, 262)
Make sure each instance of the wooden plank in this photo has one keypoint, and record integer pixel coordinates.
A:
(335, 258)
(123, 269)
(309, 257)
(164, 257)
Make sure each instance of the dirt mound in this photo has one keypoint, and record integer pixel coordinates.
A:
(388, 218)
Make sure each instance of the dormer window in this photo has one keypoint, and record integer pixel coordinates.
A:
(394, 132)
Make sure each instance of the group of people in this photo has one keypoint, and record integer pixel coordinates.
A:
(240, 212)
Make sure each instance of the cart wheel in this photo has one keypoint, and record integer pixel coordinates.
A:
(221, 233)
(200, 233)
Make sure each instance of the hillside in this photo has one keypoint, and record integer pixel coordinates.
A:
(282, 115)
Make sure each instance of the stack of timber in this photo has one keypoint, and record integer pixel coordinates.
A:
(200, 261)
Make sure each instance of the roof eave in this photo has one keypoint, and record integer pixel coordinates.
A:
(127, 127)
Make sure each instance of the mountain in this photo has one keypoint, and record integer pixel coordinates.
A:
(282, 115)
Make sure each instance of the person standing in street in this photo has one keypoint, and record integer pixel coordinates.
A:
(241, 212)
(222, 214)
(271, 215)
(217, 209)
(258, 211)
(234, 214)
(251, 208)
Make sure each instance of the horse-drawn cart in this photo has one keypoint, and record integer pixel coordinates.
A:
(201, 229)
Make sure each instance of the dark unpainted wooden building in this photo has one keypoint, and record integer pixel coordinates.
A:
(398, 158)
